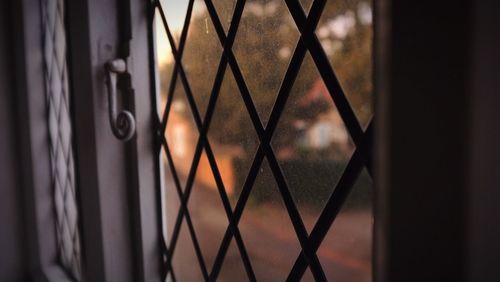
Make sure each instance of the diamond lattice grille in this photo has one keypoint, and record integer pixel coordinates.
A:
(60, 131)
(307, 44)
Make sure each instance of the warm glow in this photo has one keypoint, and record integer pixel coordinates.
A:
(175, 12)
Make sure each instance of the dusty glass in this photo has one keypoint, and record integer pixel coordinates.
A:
(311, 143)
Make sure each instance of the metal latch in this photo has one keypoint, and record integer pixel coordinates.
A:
(122, 123)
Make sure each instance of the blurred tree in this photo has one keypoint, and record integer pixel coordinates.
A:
(264, 44)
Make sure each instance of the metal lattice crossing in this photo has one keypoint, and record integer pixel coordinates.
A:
(361, 158)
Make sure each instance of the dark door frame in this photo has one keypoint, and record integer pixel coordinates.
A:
(436, 148)
(118, 205)
(422, 81)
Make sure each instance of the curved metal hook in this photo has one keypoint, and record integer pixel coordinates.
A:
(123, 123)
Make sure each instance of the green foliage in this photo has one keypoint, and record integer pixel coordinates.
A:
(307, 192)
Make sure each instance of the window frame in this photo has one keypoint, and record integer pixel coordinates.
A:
(117, 198)
(34, 153)
(120, 232)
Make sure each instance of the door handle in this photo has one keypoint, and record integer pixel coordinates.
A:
(122, 123)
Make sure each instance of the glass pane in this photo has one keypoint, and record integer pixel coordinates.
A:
(268, 231)
(263, 47)
(346, 34)
(207, 212)
(233, 268)
(164, 63)
(175, 14)
(171, 199)
(306, 5)
(233, 138)
(346, 252)
(201, 57)
(185, 262)
(225, 9)
(180, 133)
(311, 142)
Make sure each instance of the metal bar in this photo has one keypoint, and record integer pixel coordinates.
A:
(295, 217)
(238, 210)
(291, 73)
(238, 76)
(307, 41)
(173, 79)
(326, 71)
(162, 124)
(238, 11)
(204, 127)
(168, 262)
(333, 206)
(184, 210)
(157, 144)
(265, 139)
